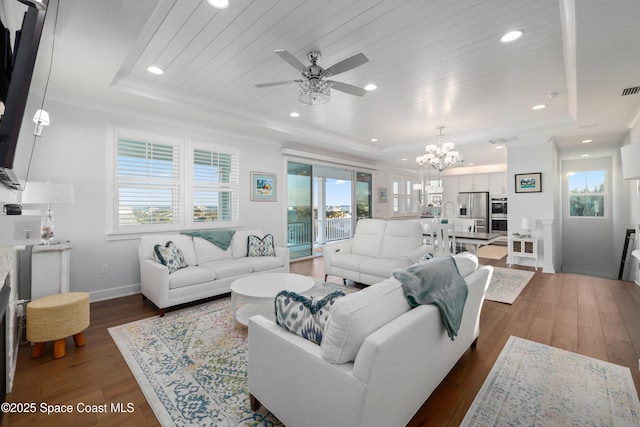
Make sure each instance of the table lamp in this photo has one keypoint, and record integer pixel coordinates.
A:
(526, 227)
(47, 193)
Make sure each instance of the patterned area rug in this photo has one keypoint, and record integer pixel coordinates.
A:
(192, 365)
(506, 284)
(532, 384)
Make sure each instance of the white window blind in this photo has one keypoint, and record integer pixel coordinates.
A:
(216, 178)
(148, 184)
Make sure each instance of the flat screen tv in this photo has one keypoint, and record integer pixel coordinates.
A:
(16, 71)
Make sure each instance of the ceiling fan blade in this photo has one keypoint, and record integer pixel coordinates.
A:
(290, 59)
(347, 88)
(286, 82)
(347, 64)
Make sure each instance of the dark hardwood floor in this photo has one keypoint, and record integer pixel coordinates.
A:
(587, 315)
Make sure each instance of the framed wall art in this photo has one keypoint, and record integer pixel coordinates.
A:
(382, 194)
(529, 182)
(263, 187)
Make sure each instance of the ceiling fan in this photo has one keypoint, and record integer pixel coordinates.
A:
(314, 86)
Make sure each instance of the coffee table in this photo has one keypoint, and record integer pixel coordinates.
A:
(258, 291)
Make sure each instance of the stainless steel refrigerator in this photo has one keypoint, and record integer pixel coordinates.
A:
(475, 205)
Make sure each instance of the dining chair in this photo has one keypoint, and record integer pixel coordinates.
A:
(443, 238)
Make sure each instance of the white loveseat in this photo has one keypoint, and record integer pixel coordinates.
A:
(396, 357)
(210, 270)
(377, 248)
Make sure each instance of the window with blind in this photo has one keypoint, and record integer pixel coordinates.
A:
(171, 184)
(405, 199)
(148, 184)
(215, 187)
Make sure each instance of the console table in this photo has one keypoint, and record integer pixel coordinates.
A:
(523, 247)
(50, 269)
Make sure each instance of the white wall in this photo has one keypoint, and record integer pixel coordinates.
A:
(533, 158)
(73, 150)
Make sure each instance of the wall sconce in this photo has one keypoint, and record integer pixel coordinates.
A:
(41, 119)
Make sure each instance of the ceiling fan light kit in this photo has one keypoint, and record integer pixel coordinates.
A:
(314, 91)
(314, 88)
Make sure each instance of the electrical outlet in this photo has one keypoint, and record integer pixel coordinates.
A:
(104, 269)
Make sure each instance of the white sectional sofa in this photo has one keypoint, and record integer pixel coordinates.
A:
(390, 359)
(377, 248)
(210, 270)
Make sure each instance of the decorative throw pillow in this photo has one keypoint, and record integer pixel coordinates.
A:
(261, 247)
(304, 316)
(170, 256)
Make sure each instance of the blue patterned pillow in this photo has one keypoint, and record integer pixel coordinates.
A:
(261, 247)
(304, 316)
(169, 255)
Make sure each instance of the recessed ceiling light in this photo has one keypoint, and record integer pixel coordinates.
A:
(511, 36)
(498, 146)
(374, 139)
(404, 159)
(219, 4)
(586, 141)
(585, 155)
(538, 107)
(155, 70)
(294, 114)
(370, 87)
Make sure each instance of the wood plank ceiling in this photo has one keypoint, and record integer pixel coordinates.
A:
(434, 62)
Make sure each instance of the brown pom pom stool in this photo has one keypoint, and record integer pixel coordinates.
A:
(56, 317)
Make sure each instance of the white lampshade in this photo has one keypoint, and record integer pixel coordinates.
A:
(41, 117)
(630, 161)
(42, 193)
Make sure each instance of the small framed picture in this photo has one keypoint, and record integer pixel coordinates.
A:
(382, 194)
(529, 182)
(263, 187)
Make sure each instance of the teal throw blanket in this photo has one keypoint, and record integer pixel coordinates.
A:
(436, 281)
(220, 238)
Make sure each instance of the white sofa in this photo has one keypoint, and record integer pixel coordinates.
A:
(401, 360)
(377, 248)
(210, 270)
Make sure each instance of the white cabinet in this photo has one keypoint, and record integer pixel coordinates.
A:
(481, 182)
(50, 269)
(450, 190)
(498, 184)
(473, 182)
(523, 247)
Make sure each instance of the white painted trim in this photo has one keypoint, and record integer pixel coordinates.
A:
(112, 293)
(321, 157)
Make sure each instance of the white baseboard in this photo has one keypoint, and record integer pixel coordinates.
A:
(112, 293)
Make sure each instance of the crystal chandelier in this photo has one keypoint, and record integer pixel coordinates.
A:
(314, 91)
(441, 156)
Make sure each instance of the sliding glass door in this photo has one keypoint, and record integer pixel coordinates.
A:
(324, 203)
(299, 209)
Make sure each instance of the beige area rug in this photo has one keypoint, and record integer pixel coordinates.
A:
(192, 364)
(533, 384)
(506, 284)
(492, 251)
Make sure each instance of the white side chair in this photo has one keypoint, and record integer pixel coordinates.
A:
(465, 225)
(443, 238)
